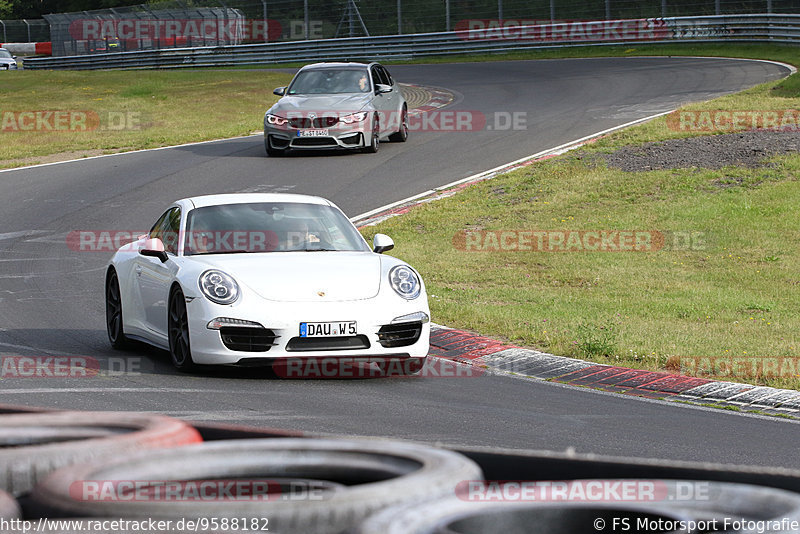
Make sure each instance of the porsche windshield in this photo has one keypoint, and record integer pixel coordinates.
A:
(330, 81)
(269, 227)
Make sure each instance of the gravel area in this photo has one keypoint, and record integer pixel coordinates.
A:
(747, 149)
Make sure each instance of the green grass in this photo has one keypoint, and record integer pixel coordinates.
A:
(732, 295)
(136, 109)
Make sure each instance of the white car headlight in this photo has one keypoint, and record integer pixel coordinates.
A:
(219, 287)
(277, 121)
(405, 282)
(353, 117)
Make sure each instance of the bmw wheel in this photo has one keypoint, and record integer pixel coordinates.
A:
(178, 331)
(401, 135)
(375, 140)
(116, 333)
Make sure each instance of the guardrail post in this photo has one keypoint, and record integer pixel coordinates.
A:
(769, 6)
(499, 9)
(608, 9)
(663, 8)
(447, 15)
(306, 21)
(552, 10)
(266, 21)
(717, 7)
(399, 17)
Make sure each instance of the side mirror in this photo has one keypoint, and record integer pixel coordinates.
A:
(382, 88)
(155, 249)
(381, 243)
(280, 91)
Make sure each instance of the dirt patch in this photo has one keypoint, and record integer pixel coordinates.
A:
(744, 149)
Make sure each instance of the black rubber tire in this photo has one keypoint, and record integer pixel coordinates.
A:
(375, 140)
(456, 515)
(375, 473)
(9, 508)
(180, 347)
(34, 445)
(401, 135)
(271, 151)
(114, 323)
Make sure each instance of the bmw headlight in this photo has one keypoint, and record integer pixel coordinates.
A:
(353, 117)
(405, 282)
(219, 287)
(277, 121)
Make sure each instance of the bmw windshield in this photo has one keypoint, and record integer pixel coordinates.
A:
(329, 81)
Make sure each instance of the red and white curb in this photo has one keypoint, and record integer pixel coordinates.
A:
(29, 49)
(487, 353)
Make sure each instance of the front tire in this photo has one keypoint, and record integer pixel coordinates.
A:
(375, 141)
(180, 349)
(114, 324)
(401, 135)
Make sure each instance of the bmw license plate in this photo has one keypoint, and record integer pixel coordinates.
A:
(331, 329)
(320, 132)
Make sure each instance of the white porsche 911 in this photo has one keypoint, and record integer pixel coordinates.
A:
(252, 279)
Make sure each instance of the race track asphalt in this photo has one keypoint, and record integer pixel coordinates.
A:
(51, 297)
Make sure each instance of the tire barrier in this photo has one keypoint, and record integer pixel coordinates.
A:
(355, 478)
(9, 509)
(741, 505)
(34, 445)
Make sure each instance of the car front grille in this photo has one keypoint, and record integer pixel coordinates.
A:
(317, 122)
(307, 344)
(314, 141)
(399, 335)
(247, 339)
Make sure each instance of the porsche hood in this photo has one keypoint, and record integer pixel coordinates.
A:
(291, 277)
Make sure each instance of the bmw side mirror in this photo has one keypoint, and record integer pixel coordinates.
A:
(154, 248)
(382, 88)
(280, 91)
(381, 243)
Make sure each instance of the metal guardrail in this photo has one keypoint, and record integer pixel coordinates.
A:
(769, 28)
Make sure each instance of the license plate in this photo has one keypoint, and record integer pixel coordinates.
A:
(322, 132)
(330, 329)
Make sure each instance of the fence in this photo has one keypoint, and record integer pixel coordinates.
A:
(24, 31)
(177, 23)
(488, 38)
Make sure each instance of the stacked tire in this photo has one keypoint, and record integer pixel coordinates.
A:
(354, 479)
(34, 445)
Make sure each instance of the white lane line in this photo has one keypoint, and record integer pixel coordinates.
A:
(35, 391)
(560, 149)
